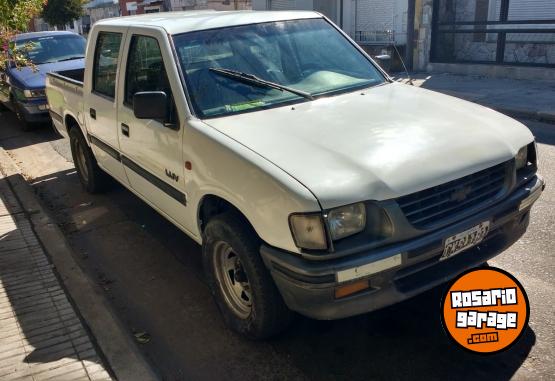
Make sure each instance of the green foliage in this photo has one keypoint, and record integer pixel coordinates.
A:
(15, 16)
(62, 12)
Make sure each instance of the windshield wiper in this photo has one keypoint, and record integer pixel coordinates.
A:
(253, 80)
(71, 58)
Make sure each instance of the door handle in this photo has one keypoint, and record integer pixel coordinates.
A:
(92, 113)
(125, 129)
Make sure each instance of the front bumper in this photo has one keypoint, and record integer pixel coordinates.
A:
(308, 286)
(35, 112)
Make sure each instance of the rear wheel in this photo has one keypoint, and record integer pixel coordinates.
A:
(93, 179)
(243, 288)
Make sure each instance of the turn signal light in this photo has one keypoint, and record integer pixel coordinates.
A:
(351, 288)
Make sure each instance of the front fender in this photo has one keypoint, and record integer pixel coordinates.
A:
(262, 192)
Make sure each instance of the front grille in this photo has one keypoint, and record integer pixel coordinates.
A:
(434, 205)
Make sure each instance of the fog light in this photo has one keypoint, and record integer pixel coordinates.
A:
(351, 288)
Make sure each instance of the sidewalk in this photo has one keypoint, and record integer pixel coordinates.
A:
(518, 98)
(41, 336)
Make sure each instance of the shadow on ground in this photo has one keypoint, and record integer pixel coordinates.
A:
(32, 302)
(11, 137)
(152, 274)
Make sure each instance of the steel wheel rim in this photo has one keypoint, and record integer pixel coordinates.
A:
(81, 161)
(232, 280)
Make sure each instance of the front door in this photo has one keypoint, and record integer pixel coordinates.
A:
(151, 149)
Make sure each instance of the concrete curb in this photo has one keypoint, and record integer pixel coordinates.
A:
(113, 338)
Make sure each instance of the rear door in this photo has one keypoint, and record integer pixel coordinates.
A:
(101, 97)
(152, 149)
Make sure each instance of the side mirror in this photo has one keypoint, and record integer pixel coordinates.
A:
(150, 105)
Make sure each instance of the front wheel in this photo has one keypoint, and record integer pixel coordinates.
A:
(93, 179)
(243, 289)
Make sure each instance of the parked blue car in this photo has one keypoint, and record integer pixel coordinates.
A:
(22, 90)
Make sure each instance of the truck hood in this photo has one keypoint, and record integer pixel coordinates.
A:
(378, 144)
(26, 78)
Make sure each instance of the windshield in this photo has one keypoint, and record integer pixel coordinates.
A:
(48, 49)
(307, 55)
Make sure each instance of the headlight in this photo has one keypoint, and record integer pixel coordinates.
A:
(34, 93)
(308, 231)
(521, 158)
(346, 220)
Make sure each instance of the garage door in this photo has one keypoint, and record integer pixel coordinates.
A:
(282, 5)
(378, 21)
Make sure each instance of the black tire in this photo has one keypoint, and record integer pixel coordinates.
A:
(268, 314)
(93, 179)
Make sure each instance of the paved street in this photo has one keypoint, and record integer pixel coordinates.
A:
(151, 273)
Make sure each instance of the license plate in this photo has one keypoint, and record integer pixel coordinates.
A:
(462, 241)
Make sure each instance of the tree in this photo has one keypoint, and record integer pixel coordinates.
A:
(15, 16)
(61, 12)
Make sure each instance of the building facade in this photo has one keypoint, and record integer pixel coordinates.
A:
(506, 38)
(132, 7)
(137, 7)
(218, 5)
(378, 26)
(369, 22)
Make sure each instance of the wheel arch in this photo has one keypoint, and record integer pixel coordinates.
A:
(70, 121)
(211, 205)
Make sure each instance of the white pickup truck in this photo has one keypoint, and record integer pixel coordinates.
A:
(313, 182)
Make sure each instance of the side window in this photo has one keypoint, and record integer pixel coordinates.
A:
(146, 71)
(106, 63)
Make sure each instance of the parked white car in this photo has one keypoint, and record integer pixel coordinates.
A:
(314, 182)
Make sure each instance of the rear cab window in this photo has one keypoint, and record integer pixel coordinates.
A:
(106, 63)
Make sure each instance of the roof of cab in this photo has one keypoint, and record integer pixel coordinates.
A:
(189, 21)
(26, 36)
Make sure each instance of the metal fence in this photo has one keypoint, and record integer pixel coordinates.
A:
(501, 32)
(375, 37)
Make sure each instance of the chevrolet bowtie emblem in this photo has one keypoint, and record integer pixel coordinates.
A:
(460, 194)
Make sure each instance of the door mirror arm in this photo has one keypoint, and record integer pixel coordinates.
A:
(171, 125)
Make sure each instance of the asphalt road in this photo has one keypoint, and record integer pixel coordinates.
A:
(151, 273)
